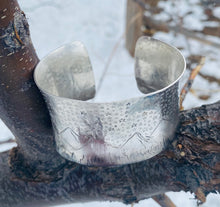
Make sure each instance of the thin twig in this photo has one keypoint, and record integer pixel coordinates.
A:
(186, 88)
(108, 63)
(166, 27)
(210, 78)
(113, 52)
(206, 90)
(163, 200)
(11, 140)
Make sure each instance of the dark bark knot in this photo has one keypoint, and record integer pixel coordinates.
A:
(15, 35)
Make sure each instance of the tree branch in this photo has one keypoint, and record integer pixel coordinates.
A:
(190, 163)
(22, 107)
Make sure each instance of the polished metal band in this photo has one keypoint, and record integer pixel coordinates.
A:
(115, 133)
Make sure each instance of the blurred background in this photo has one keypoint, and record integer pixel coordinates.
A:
(191, 26)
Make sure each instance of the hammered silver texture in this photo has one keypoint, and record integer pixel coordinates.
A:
(115, 133)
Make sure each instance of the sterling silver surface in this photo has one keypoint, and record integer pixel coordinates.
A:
(115, 133)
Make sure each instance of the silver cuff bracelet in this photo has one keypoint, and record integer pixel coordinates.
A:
(103, 134)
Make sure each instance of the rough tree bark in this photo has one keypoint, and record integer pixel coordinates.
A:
(34, 174)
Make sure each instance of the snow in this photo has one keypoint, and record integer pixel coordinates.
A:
(216, 12)
(5, 133)
(178, 9)
(100, 26)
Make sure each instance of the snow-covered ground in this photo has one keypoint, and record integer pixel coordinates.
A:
(100, 25)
